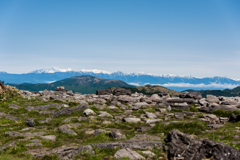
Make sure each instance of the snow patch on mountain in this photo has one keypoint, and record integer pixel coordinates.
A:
(160, 75)
(52, 70)
(96, 71)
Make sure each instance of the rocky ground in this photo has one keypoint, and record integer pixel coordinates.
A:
(120, 125)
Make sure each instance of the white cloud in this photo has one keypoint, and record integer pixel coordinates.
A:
(201, 85)
(135, 84)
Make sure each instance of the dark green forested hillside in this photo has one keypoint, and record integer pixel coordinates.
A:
(226, 92)
(82, 84)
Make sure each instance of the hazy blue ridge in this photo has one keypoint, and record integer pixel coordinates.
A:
(139, 79)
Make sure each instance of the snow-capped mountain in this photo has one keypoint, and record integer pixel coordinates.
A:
(176, 82)
(51, 70)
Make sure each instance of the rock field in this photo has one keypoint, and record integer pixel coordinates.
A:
(108, 125)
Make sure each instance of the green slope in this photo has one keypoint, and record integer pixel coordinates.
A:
(226, 92)
(82, 84)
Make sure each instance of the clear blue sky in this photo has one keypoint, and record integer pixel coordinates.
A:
(198, 38)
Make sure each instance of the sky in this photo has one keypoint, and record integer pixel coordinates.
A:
(185, 37)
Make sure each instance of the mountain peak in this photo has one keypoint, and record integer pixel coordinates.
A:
(51, 70)
(96, 71)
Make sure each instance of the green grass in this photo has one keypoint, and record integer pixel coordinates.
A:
(195, 128)
(222, 113)
(193, 108)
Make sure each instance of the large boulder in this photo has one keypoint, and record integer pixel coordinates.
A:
(104, 92)
(121, 91)
(126, 99)
(212, 99)
(155, 98)
(212, 108)
(184, 146)
(234, 118)
(195, 95)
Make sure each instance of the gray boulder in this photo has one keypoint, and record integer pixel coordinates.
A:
(128, 153)
(88, 112)
(212, 99)
(125, 98)
(121, 91)
(116, 135)
(155, 97)
(30, 123)
(194, 95)
(14, 106)
(234, 118)
(68, 111)
(3, 147)
(103, 92)
(65, 129)
(132, 120)
(184, 146)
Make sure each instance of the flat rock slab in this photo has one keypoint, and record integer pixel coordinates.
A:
(180, 106)
(63, 152)
(167, 123)
(75, 125)
(132, 120)
(145, 137)
(2, 114)
(3, 147)
(27, 134)
(161, 110)
(49, 137)
(178, 100)
(47, 112)
(189, 113)
(132, 144)
(12, 118)
(128, 153)
(68, 111)
(45, 120)
(45, 107)
(153, 120)
(215, 126)
(104, 114)
(179, 115)
(13, 106)
(149, 153)
(65, 129)
(143, 129)
(67, 120)
(151, 115)
(34, 144)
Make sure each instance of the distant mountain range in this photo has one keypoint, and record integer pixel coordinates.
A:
(82, 84)
(175, 82)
